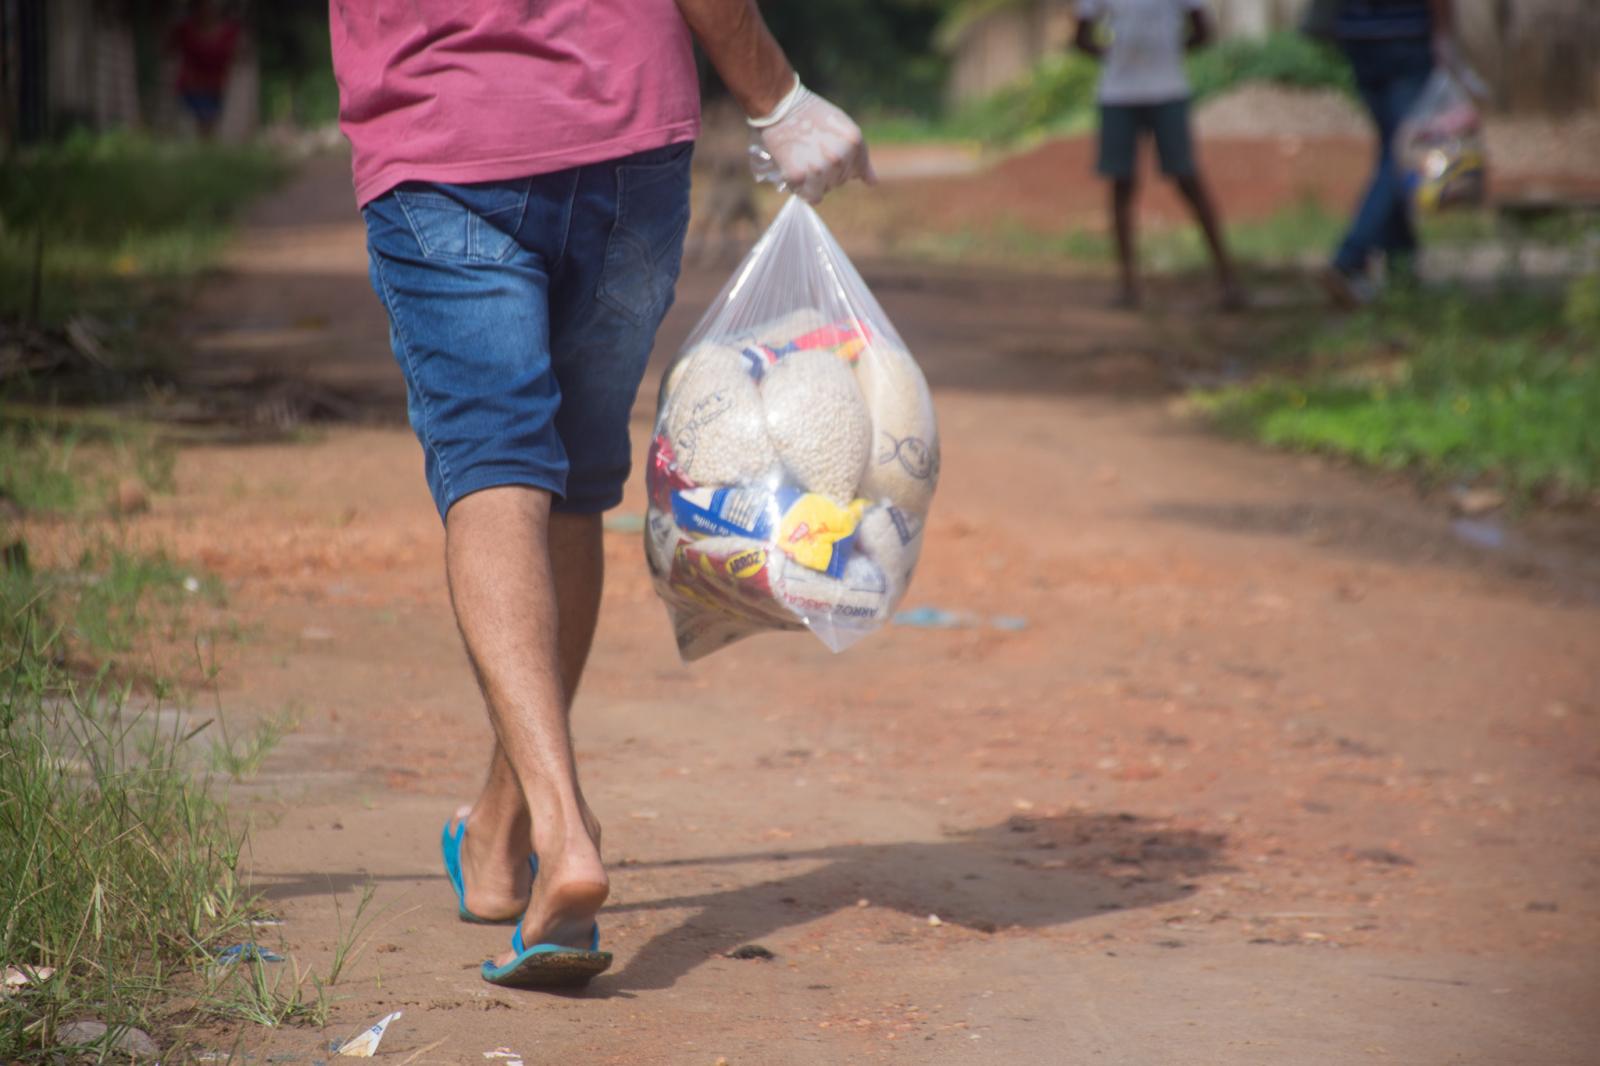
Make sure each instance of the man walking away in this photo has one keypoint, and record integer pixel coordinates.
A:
(523, 170)
(1144, 90)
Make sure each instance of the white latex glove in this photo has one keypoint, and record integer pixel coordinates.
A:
(814, 146)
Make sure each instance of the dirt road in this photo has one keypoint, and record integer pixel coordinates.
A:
(1277, 770)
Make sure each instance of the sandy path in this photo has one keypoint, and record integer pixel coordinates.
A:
(1277, 772)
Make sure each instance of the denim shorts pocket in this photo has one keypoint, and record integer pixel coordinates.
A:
(645, 248)
(465, 223)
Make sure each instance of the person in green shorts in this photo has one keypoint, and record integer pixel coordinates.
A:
(1144, 90)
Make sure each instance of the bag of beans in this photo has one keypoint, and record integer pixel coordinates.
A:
(795, 456)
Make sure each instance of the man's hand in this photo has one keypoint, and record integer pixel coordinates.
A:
(813, 143)
(815, 146)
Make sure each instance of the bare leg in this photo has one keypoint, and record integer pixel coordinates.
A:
(494, 855)
(1205, 213)
(495, 852)
(1122, 190)
(526, 589)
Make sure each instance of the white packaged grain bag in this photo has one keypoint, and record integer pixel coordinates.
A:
(795, 456)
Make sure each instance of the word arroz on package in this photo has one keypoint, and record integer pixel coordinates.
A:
(795, 453)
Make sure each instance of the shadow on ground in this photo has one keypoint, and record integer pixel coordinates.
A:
(1404, 536)
(1024, 872)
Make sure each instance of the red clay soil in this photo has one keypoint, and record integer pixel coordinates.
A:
(1274, 770)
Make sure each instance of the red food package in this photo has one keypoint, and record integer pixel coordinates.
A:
(662, 475)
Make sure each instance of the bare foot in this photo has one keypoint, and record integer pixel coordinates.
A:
(494, 866)
(571, 888)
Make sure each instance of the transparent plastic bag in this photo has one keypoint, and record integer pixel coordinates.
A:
(1440, 143)
(795, 453)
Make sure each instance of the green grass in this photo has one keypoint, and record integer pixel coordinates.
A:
(112, 599)
(1497, 388)
(1307, 231)
(1057, 97)
(116, 595)
(1009, 241)
(1287, 237)
(119, 219)
(1297, 235)
(121, 869)
(297, 82)
(120, 865)
(241, 757)
(1303, 230)
(53, 463)
(268, 994)
(348, 944)
(1285, 58)
(910, 129)
(37, 471)
(277, 994)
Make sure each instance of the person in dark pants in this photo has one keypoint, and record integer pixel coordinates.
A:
(1392, 46)
(1144, 90)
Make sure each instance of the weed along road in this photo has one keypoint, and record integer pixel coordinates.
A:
(1217, 755)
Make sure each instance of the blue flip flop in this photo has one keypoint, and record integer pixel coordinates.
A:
(450, 844)
(549, 965)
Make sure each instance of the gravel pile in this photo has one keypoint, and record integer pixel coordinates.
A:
(1271, 111)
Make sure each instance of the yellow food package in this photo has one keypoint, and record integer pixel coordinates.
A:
(815, 532)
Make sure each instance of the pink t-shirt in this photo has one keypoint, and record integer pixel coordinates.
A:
(483, 90)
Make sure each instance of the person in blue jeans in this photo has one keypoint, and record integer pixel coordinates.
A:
(1392, 46)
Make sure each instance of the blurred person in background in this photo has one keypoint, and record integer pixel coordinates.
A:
(523, 170)
(205, 43)
(1144, 90)
(1392, 46)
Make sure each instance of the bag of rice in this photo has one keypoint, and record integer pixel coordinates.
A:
(795, 455)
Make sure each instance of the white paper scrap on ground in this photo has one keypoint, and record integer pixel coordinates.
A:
(365, 1045)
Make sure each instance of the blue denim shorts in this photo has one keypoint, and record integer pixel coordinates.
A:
(522, 314)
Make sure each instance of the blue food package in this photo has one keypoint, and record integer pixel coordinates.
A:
(811, 529)
(727, 512)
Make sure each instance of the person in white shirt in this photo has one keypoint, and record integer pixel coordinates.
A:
(1143, 89)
